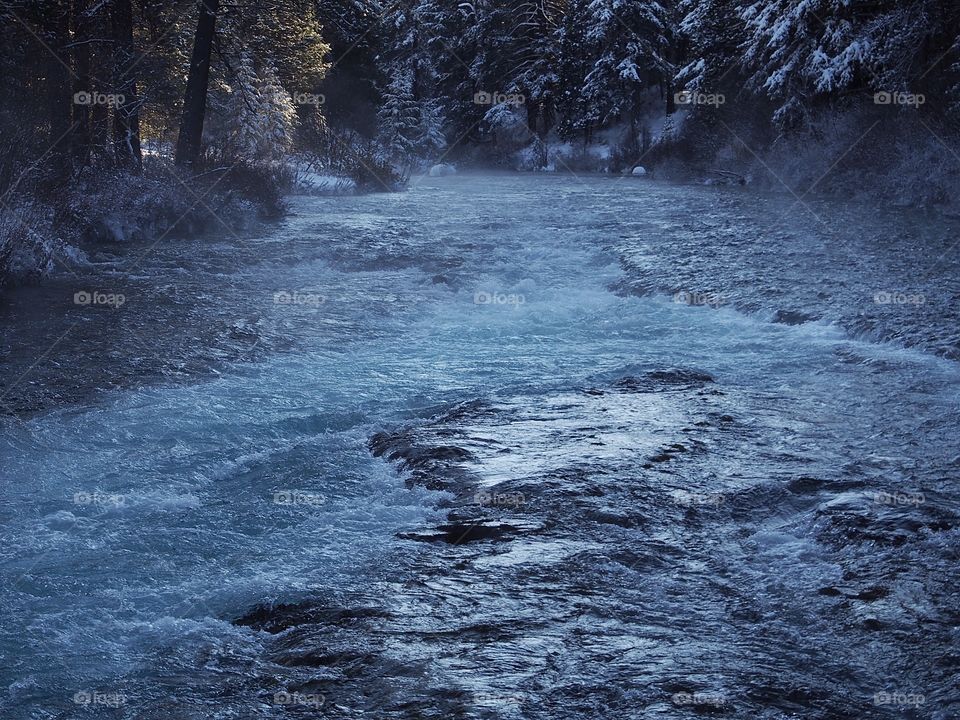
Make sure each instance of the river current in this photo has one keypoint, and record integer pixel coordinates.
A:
(501, 446)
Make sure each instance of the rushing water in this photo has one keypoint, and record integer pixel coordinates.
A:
(503, 447)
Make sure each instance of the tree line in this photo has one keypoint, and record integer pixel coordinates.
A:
(102, 83)
(583, 66)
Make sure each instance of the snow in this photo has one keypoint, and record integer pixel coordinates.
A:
(317, 183)
(442, 170)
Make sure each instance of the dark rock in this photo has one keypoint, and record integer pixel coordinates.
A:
(418, 457)
(656, 380)
(277, 618)
(609, 517)
(871, 594)
(792, 317)
(680, 376)
(805, 485)
(462, 533)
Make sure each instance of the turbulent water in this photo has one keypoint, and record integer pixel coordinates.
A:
(496, 447)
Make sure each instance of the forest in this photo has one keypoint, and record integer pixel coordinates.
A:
(122, 117)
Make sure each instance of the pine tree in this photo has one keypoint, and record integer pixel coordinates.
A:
(712, 32)
(399, 119)
(411, 119)
(261, 115)
(629, 39)
(800, 51)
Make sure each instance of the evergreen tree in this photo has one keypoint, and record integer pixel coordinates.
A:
(629, 39)
(800, 52)
(261, 115)
(712, 32)
(195, 99)
(410, 120)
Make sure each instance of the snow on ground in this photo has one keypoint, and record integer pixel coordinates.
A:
(309, 183)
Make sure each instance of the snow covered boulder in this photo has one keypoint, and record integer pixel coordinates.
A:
(639, 170)
(442, 170)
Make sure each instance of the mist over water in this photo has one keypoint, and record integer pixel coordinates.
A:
(501, 446)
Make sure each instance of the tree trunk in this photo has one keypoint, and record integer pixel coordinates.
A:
(548, 116)
(126, 113)
(195, 99)
(82, 83)
(58, 96)
(101, 66)
(533, 113)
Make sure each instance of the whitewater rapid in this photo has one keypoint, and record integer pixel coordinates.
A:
(499, 446)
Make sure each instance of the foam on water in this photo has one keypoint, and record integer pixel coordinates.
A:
(143, 523)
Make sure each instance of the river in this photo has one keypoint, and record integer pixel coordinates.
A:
(500, 446)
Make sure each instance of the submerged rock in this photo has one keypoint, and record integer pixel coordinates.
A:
(460, 533)
(283, 616)
(793, 317)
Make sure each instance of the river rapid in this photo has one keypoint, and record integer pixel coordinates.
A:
(500, 446)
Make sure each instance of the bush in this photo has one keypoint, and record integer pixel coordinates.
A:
(373, 173)
(27, 242)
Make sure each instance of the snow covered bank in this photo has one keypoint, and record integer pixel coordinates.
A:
(45, 232)
(312, 183)
(850, 154)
